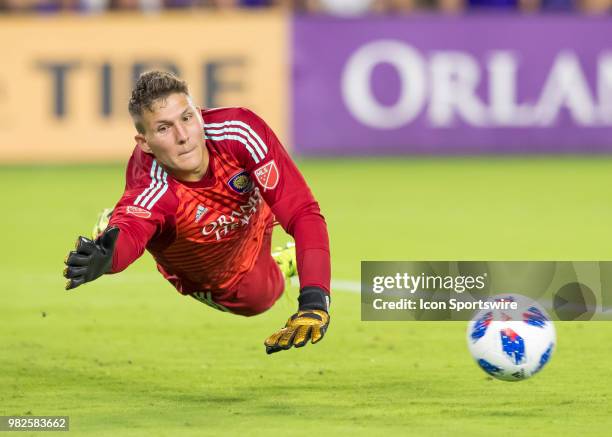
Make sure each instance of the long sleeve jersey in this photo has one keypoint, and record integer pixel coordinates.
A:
(206, 235)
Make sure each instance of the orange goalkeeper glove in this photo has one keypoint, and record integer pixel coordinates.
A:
(309, 323)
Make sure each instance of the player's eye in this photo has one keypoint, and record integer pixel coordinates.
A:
(187, 117)
(162, 129)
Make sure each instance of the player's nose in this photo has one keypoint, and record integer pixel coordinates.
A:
(181, 134)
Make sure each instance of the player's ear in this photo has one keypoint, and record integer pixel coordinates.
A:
(142, 143)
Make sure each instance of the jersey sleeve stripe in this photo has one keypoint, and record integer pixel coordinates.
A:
(252, 132)
(254, 138)
(242, 132)
(237, 138)
(245, 126)
(159, 184)
(144, 193)
(160, 194)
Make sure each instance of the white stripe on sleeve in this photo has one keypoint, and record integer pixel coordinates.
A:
(258, 150)
(144, 193)
(160, 194)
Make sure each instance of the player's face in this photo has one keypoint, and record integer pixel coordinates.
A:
(173, 133)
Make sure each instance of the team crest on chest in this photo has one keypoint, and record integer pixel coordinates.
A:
(241, 182)
(200, 211)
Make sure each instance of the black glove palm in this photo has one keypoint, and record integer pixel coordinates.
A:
(90, 259)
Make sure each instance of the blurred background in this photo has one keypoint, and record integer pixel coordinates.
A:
(332, 77)
(338, 7)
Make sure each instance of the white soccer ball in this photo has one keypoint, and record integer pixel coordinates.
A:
(512, 344)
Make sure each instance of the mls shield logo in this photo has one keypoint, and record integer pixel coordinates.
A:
(200, 211)
(267, 175)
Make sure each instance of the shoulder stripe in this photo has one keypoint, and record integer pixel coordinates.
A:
(235, 126)
(159, 185)
(146, 191)
(242, 132)
(160, 194)
(245, 126)
(237, 138)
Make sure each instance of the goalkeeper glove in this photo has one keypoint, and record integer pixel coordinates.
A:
(90, 259)
(309, 323)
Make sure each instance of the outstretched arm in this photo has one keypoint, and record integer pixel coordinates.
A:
(119, 238)
(288, 195)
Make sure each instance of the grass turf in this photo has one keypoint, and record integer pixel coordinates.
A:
(128, 355)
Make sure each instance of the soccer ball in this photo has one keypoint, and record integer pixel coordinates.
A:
(511, 344)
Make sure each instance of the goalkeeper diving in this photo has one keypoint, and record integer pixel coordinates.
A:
(204, 188)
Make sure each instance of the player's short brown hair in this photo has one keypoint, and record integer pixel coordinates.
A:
(150, 87)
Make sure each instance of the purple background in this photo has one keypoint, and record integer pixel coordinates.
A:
(322, 125)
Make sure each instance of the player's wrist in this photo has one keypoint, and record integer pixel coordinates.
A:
(313, 298)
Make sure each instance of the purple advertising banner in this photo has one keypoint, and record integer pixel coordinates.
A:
(452, 85)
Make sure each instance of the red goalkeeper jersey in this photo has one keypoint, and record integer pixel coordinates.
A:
(206, 235)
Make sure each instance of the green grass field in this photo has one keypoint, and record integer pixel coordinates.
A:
(127, 355)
